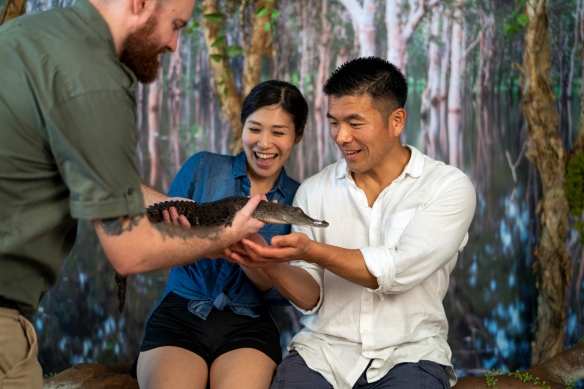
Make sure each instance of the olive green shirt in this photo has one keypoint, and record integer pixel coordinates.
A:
(67, 142)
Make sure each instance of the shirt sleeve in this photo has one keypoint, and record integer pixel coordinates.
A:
(431, 239)
(93, 139)
(316, 271)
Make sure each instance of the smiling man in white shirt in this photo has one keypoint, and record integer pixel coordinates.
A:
(370, 285)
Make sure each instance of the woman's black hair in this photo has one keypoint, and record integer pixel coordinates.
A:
(280, 93)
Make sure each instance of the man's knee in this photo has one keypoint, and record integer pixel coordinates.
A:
(293, 373)
(423, 375)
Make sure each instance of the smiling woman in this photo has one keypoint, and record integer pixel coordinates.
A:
(213, 325)
(273, 123)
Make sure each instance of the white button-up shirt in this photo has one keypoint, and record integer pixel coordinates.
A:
(410, 239)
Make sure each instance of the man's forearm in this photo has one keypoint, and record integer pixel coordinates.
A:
(295, 284)
(152, 196)
(346, 263)
(135, 245)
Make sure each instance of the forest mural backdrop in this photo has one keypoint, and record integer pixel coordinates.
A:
(462, 60)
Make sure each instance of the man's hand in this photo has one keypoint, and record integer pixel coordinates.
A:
(254, 253)
(244, 224)
(237, 253)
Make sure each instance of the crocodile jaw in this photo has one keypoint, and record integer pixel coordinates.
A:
(296, 219)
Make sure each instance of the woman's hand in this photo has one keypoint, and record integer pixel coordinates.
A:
(171, 216)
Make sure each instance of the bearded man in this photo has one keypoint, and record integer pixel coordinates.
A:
(68, 152)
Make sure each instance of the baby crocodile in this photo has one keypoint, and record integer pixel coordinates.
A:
(221, 213)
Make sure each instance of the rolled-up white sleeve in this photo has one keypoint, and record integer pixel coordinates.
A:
(317, 272)
(381, 265)
(415, 249)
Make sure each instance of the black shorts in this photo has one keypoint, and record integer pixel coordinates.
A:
(172, 324)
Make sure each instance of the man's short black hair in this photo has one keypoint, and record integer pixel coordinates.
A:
(373, 76)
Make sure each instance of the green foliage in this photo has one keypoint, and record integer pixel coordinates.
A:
(214, 17)
(234, 51)
(526, 377)
(219, 42)
(51, 374)
(523, 377)
(517, 20)
(574, 189)
(216, 57)
(261, 11)
(491, 380)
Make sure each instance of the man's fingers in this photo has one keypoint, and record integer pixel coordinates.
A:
(251, 205)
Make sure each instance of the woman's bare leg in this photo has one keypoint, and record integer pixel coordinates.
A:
(244, 368)
(173, 368)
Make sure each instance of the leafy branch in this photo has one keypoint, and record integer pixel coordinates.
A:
(517, 20)
(523, 377)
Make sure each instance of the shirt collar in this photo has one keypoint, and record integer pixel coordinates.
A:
(240, 170)
(414, 168)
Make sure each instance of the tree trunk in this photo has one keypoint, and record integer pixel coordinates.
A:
(484, 91)
(174, 105)
(400, 28)
(254, 52)
(321, 76)
(546, 152)
(364, 24)
(430, 111)
(223, 79)
(154, 105)
(454, 89)
(444, 72)
(12, 9)
(140, 125)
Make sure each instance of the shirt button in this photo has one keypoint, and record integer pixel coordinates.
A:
(366, 298)
(130, 191)
(365, 330)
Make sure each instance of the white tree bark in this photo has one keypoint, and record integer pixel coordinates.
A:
(431, 96)
(401, 24)
(154, 105)
(444, 72)
(174, 105)
(454, 88)
(363, 22)
(323, 71)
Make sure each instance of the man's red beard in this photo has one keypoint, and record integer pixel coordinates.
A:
(141, 53)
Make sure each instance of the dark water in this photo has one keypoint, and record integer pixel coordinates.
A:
(491, 304)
